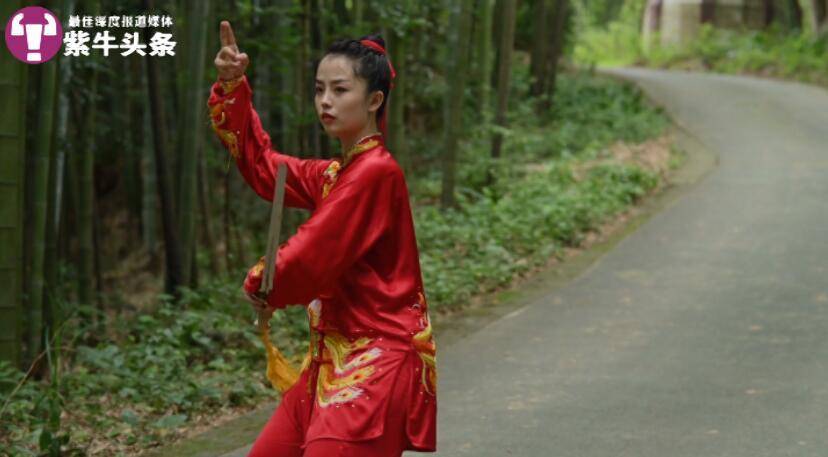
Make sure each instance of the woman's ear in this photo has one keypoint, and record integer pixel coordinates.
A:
(376, 101)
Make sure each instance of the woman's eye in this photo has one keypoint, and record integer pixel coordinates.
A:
(338, 90)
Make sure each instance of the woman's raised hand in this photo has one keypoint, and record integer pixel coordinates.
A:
(229, 61)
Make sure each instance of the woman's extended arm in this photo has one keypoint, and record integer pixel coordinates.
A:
(237, 125)
(240, 130)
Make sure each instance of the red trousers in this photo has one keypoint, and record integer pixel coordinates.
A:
(284, 433)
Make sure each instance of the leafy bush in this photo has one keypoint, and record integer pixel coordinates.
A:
(169, 366)
(488, 241)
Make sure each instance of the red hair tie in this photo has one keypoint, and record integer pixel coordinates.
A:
(377, 47)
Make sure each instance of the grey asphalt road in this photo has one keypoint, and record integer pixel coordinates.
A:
(702, 333)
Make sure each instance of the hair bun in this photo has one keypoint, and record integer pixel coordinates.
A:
(376, 38)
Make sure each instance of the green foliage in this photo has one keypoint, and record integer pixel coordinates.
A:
(596, 111)
(489, 241)
(617, 44)
(598, 13)
(170, 365)
(608, 35)
(588, 113)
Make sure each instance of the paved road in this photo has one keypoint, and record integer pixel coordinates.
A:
(703, 333)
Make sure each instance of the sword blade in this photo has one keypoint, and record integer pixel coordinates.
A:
(272, 253)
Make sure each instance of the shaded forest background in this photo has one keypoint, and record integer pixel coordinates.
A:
(128, 194)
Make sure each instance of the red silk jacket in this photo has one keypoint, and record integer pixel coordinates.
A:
(354, 265)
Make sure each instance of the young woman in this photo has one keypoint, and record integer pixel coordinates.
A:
(368, 385)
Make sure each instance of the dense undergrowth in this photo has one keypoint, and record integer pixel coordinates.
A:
(167, 369)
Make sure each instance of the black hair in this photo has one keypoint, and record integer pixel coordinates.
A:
(369, 64)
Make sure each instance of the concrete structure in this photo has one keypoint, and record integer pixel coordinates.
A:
(677, 22)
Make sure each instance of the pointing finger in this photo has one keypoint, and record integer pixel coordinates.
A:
(226, 34)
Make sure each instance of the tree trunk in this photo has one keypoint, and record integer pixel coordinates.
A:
(302, 78)
(819, 17)
(229, 250)
(708, 11)
(96, 251)
(61, 144)
(560, 17)
(396, 106)
(207, 214)
(193, 131)
(84, 162)
(149, 182)
(769, 12)
(318, 23)
(12, 153)
(540, 38)
(134, 108)
(285, 25)
(263, 66)
(458, 65)
(359, 9)
(174, 276)
(241, 254)
(40, 197)
(794, 14)
(484, 58)
(290, 122)
(503, 76)
(341, 11)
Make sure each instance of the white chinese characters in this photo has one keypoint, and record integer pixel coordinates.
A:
(76, 43)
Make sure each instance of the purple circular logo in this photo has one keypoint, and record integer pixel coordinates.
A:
(33, 34)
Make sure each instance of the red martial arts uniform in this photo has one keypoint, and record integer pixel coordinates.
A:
(370, 376)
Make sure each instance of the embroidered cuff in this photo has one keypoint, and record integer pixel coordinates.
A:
(254, 276)
(230, 85)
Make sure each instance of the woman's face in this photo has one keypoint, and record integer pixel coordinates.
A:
(339, 93)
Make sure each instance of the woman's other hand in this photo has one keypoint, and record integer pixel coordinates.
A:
(230, 63)
(259, 305)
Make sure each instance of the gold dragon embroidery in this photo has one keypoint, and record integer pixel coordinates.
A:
(218, 118)
(335, 386)
(426, 348)
(341, 372)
